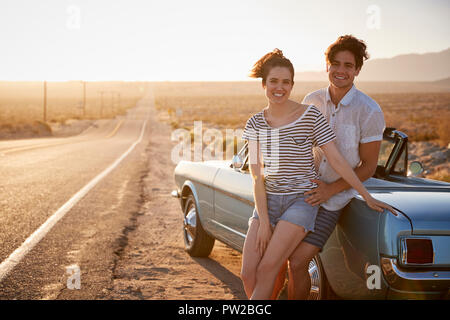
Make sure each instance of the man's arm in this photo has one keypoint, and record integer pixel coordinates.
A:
(368, 153)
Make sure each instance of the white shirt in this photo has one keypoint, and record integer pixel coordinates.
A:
(356, 119)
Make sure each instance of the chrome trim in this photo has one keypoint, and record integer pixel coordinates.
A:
(190, 225)
(416, 187)
(228, 194)
(404, 252)
(236, 197)
(229, 229)
(316, 280)
(394, 274)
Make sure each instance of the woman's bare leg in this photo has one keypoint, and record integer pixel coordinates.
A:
(285, 239)
(250, 258)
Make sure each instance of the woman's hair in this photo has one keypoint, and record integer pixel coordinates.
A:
(348, 43)
(272, 59)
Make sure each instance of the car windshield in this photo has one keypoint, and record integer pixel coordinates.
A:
(385, 151)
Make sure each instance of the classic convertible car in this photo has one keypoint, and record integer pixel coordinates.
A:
(369, 255)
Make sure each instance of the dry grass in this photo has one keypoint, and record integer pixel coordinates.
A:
(423, 115)
(22, 102)
(442, 174)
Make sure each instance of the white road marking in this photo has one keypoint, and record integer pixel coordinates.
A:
(8, 264)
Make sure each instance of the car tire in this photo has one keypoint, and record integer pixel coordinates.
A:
(320, 287)
(197, 242)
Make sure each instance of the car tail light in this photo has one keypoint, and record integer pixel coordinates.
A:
(417, 251)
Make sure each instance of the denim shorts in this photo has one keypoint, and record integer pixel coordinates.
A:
(291, 208)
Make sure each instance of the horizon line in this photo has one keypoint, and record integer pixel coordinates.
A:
(191, 81)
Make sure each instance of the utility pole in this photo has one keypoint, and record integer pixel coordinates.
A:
(112, 102)
(84, 99)
(45, 101)
(116, 101)
(101, 108)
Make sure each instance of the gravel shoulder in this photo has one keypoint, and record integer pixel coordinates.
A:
(153, 264)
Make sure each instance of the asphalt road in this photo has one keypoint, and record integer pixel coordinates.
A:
(39, 176)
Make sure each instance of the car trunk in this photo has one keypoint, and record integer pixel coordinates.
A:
(428, 211)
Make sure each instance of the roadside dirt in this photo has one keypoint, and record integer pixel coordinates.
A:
(39, 129)
(152, 263)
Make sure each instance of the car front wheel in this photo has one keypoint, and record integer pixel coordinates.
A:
(197, 242)
(320, 289)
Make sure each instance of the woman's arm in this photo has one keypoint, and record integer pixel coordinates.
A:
(341, 166)
(259, 193)
(368, 153)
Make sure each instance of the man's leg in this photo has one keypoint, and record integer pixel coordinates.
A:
(299, 284)
(299, 260)
(279, 282)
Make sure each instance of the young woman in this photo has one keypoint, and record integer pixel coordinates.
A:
(281, 138)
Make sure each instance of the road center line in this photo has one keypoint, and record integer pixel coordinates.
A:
(8, 264)
(115, 129)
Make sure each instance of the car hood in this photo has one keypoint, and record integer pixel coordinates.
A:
(427, 209)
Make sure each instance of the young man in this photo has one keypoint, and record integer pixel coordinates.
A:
(358, 123)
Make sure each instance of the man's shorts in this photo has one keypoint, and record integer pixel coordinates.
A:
(291, 208)
(326, 221)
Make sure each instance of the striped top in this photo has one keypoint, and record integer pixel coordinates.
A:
(287, 150)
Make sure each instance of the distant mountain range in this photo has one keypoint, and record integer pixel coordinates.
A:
(434, 66)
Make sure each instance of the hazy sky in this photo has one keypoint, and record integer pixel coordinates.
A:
(201, 39)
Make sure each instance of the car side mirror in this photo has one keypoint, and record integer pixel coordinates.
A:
(415, 169)
(237, 162)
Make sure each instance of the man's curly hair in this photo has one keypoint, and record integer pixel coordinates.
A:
(348, 43)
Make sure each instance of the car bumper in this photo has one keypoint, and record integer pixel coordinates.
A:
(415, 284)
(393, 294)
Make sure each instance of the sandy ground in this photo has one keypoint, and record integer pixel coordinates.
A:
(154, 264)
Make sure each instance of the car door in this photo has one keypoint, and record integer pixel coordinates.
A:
(233, 204)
